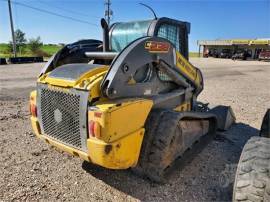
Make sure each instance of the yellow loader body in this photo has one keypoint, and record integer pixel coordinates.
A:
(120, 125)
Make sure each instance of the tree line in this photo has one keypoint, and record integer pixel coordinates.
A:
(33, 44)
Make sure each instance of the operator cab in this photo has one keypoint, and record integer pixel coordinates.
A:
(122, 34)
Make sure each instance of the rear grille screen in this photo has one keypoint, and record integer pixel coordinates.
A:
(60, 114)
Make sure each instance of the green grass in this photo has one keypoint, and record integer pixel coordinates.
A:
(51, 49)
(3, 46)
(4, 50)
(48, 49)
(194, 54)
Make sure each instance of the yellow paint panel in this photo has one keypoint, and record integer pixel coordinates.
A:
(121, 154)
(42, 78)
(118, 120)
(81, 82)
(35, 126)
(94, 87)
(34, 120)
(94, 73)
(33, 97)
(89, 77)
(60, 82)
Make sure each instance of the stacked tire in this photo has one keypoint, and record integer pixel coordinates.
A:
(252, 181)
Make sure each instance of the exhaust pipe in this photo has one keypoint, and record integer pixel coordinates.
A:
(105, 28)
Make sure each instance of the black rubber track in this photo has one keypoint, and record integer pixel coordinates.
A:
(150, 130)
(160, 132)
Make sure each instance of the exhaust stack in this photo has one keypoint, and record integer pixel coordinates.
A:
(105, 28)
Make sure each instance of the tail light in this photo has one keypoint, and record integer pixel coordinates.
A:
(33, 110)
(33, 107)
(94, 129)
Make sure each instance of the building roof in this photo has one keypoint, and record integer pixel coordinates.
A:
(230, 42)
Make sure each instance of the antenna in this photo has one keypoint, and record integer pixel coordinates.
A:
(108, 11)
(152, 10)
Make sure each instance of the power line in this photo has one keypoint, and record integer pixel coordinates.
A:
(52, 13)
(67, 10)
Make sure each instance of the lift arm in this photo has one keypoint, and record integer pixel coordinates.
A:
(157, 54)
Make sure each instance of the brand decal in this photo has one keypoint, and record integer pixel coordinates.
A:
(184, 65)
(157, 47)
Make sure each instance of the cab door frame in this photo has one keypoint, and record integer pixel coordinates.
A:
(184, 30)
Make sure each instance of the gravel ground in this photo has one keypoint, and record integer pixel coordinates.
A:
(32, 170)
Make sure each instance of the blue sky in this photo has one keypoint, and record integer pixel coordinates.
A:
(209, 19)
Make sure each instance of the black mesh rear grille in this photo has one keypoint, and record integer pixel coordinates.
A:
(60, 114)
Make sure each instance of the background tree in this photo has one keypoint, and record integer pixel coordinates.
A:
(20, 41)
(34, 45)
(20, 37)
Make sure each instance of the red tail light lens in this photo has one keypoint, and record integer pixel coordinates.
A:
(91, 126)
(33, 110)
(94, 129)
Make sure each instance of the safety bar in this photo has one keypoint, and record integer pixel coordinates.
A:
(101, 55)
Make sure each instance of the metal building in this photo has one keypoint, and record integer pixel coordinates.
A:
(252, 46)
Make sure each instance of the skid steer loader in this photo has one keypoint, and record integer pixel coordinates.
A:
(129, 101)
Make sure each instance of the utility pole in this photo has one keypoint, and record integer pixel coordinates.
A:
(12, 29)
(108, 11)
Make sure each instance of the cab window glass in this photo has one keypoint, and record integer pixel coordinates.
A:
(171, 33)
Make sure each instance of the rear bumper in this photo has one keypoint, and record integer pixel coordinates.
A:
(120, 154)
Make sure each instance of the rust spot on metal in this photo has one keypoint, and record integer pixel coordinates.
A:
(108, 149)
